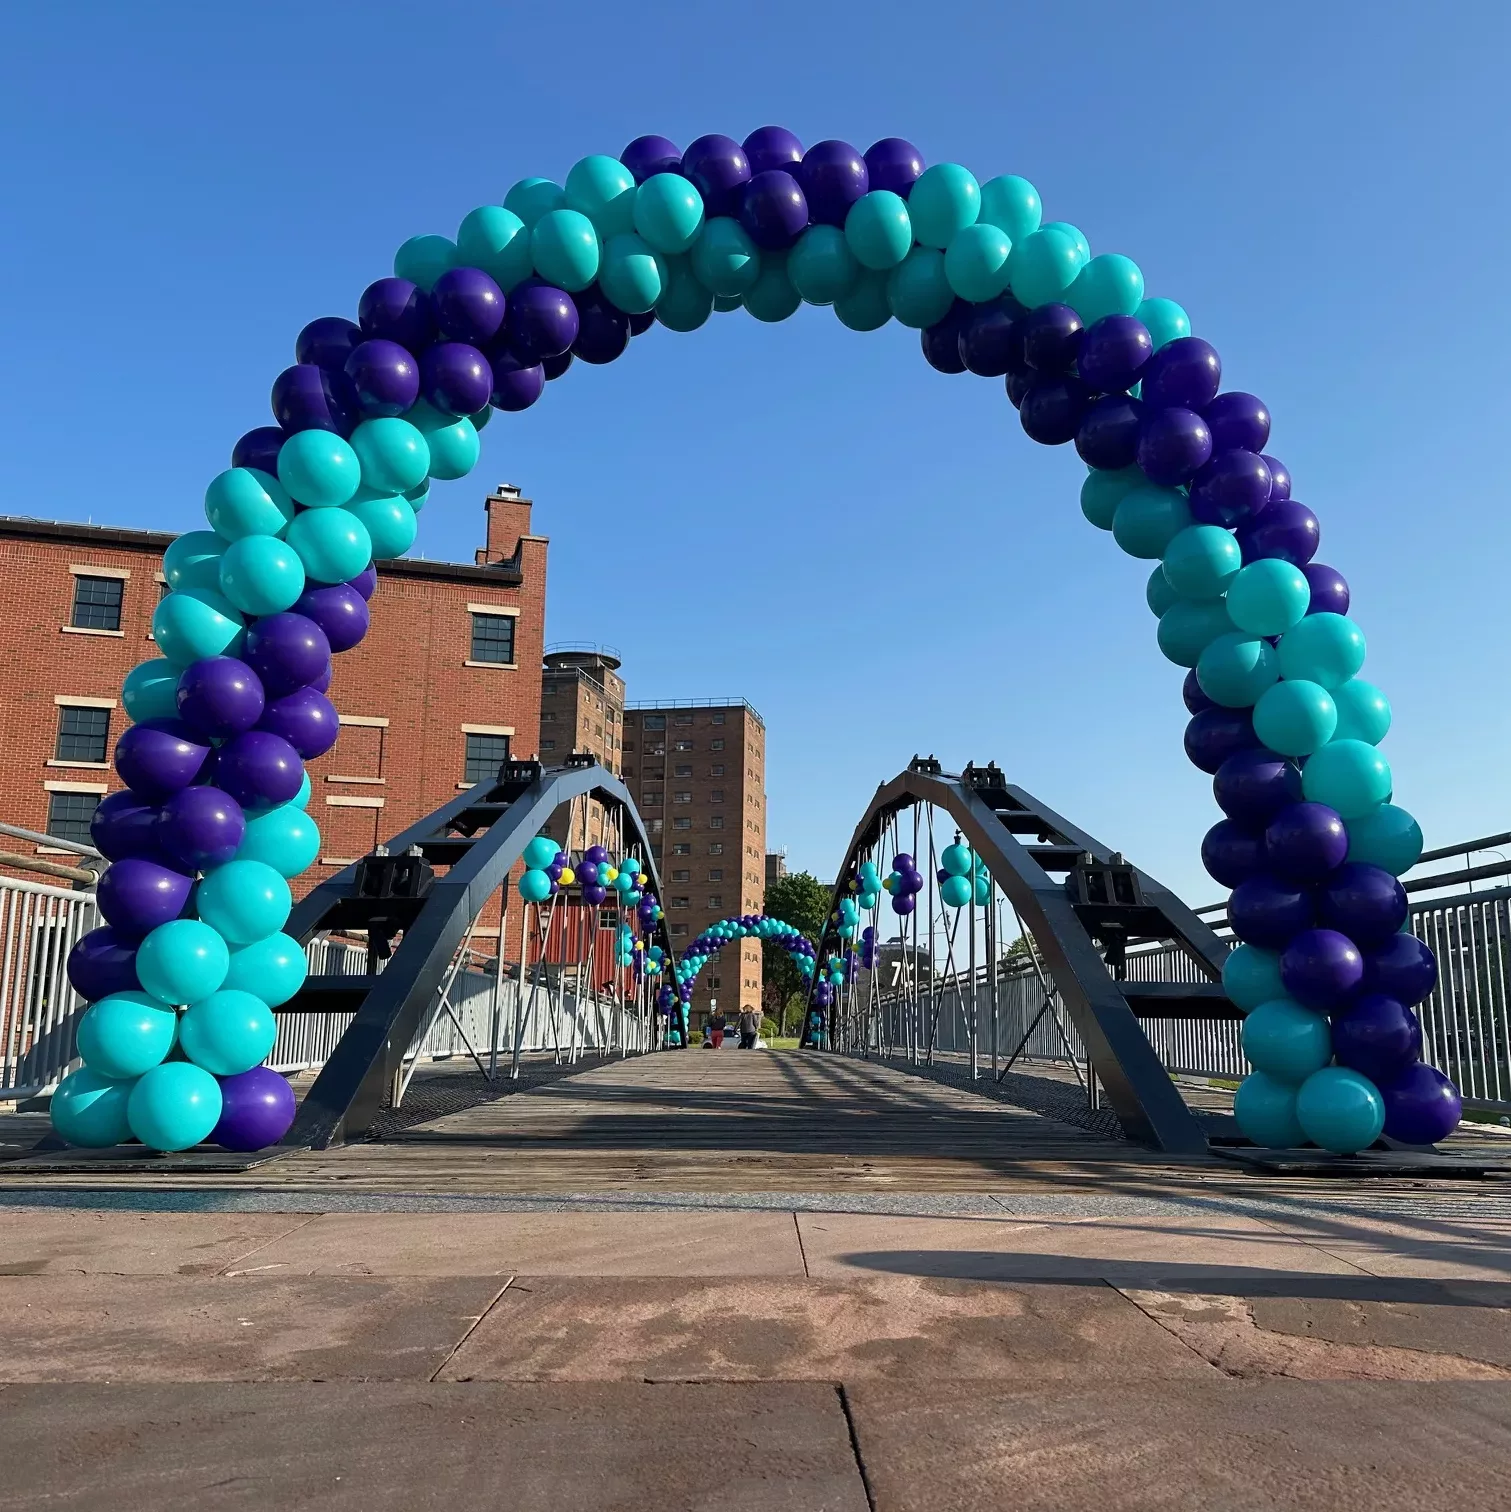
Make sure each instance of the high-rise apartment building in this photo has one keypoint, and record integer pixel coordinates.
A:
(581, 712)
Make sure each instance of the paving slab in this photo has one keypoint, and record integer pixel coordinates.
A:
(170, 1328)
(1239, 1446)
(880, 1327)
(412, 1448)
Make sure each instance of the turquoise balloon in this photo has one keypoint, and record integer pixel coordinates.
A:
(1082, 246)
(918, 289)
(273, 968)
(182, 961)
(1110, 284)
(668, 213)
(686, 304)
(603, 189)
(261, 575)
(943, 201)
(1042, 267)
(565, 249)
(879, 230)
(174, 1106)
(1159, 595)
(422, 260)
(228, 1032)
(1012, 203)
(285, 838)
(392, 454)
(867, 307)
(725, 303)
(531, 198)
(535, 887)
(1251, 976)
(1387, 837)
(301, 799)
(1324, 648)
(821, 266)
(454, 449)
(193, 560)
(1340, 1110)
(956, 891)
(125, 1034)
(1287, 1041)
(333, 544)
(1189, 626)
(1268, 597)
(983, 884)
(1363, 712)
(772, 296)
(1102, 492)
(724, 258)
(1236, 669)
(497, 241)
(319, 469)
(975, 262)
(1350, 776)
(1295, 718)
(540, 852)
(190, 624)
(151, 690)
(244, 501)
(243, 901)
(1266, 1112)
(1166, 321)
(957, 860)
(1201, 561)
(1148, 518)
(89, 1110)
(390, 523)
(633, 274)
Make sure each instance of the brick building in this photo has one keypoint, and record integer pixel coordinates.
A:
(582, 711)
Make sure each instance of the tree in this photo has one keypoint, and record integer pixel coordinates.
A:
(801, 900)
(1018, 953)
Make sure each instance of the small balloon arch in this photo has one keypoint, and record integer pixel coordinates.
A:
(717, 936)
(212, 824)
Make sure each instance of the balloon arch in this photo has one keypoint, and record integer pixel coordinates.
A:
(674, 1000)
(212, 823)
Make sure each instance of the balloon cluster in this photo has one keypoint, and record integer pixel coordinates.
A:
(868, 947)
(547, 870)
(746, 926)
(904, 882)
(963, 877)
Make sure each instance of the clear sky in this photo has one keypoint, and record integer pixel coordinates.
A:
(871, 552)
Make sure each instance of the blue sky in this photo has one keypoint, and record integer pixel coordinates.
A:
(872, 553)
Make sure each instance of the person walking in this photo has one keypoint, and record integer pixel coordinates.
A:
(714, 1029)
(750, 1028)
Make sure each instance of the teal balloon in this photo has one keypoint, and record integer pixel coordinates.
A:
(1236, 669)
(182, 961)
(1287, 1041)
(668, 213)
(1042, 267)
(1363, 712)
(1159, 595)
(1148, 518)
(983, 886)
(918, 289)
(1189, 626)
(1011, 203)
(497, 241)
(1340, 1110)
(333, 544)
(724, 304)
(301, 799)
(319, 469)
(422, 260)
(956, 891)
(1102, 492)
(243, 901)
(125, 1034)
(1165, 320)
(1268, 597)
(174, 1106)
(724, 258)
(772, 297)
(879, 230)
(975, 262)
(1350, 776)
(193, 560)
(821, 266)
(262, 575)
(454, 449)
(1295, 718)
(943, 201)
(535, 887)
(390, 523)
(686, 304)
(89, 1110)
(540, 852)
(532, 198)
(1387, 837)
(1077, 236)
(272, 968)
(190, 624)
(633, 275)
(392, 454)
(1266, 1112)
(957, 860)
(1251, 976)
(228, 1032)
(867, 307)
(603, 189)
(151, 690)
(1110, 284)
(1201, 561)
(1324, 648)
(244, 501)
(565, 249)
(285, 838)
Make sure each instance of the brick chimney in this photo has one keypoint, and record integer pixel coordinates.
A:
(508, 521)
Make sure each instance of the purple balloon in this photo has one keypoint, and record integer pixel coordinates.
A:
(719, 169)
(287, 651)
(1114, 351)
(1306, 841)
(455, 378)
(1195, 700)
(1280, 478)
(587, 872)
(941, 341)
(554, 367)
(259, 448)
(773, 209)
(540, 321)
(468, 306)
(339, 610)
(603, 331)
(517, 384)
(894, 164)
(641, 321)
(1267, 912)
(306, 397)
(1285, 530)
(322, 683)
(904, 903)
(1238, 422)
(256, 1110)
(1018, 385)
(1174, 444)
(1403, 968)
(991, 341)
(259, 769)
(385, 376)
(1421, 1106)
(1183, 374)
(1377, 1037)
(1364, 902)
(201, 827)
(1214, 733)
(365, 582)
(1052, 410)
(136, 895)
(833, 175)
(1320, 968)
(1108, 435)
(1234, 487)
(159, 757)
(326, 342)
(220, 696)
(647, 156)
(103, 962)
(393, 309)
(125, 824)
(1052, 336)
(1253, 786)
(1231, 853)
(1329, 587)
(593, 894)
(596, 854)
(306, 719)
(770, 147)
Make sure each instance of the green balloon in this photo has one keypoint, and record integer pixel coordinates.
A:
(1363, 712)
(633, 274)
(1295, 718)
(261, 575)
(1108, 285)
(918, 289)
(1166, 321)
(1011, 203)
(1189, 626)
(151, 690)
(724, 258)
(532, 198)
(772, 297)
(333, 544)
(866, 307)
(319, 469)
(422, 260)
(392, 454)
(390, 523)
(243, 501)
(943, 200)
(1349, 776)
(603, 189)
(1235, 670)
(1148, 518)
(565, 249)
(976, 262)
(1201, 561)
(1042, 267)
(1324, 648)
(1159, 595)
(89, 1110)
(668, 213)
(1387, 837)
(686, 304)
(1268, 597)
(497, 241)
(821, 266)
(1102, 492)
(192, 623)
(879, 229)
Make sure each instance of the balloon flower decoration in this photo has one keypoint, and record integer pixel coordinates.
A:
(868, 947)
(963, 877)
(746, 927)
(904, 882)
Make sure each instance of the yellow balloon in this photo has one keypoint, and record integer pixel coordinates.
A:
(568, 877)
(608, 874)
(641, 880)
(886, 882)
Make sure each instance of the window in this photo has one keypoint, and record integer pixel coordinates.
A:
(629, 745)
(547, 689)
(716, 821)
(716, 900)
(716, 795)
(683, 771)
(548, 745)
(682, 745)
(682, 848)
(652, 800)
(682, 797)
(657, 825)
(715, 745)
(714, 983)
(682, 824)
(97, 603)
(68, 815)
(679, 902)
(679, 929)
(83, 735)
(655, 721)
(716, 771)
(548, 718)
(493, 638)
(718, 718)
(485, 755)
(716, 874)
(716, 849)
(682, 719)
(682, 876)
